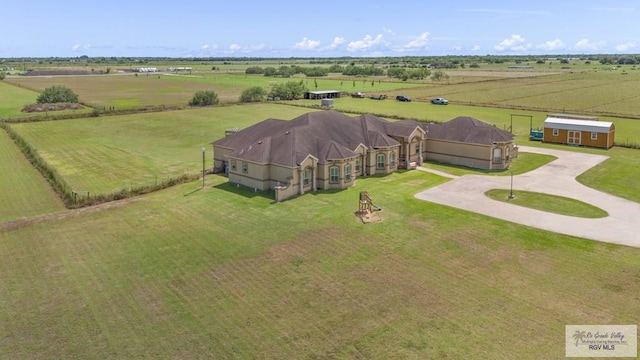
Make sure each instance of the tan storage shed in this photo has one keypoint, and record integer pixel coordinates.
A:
(579, 131)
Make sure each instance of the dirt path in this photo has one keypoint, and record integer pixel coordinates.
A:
(66, 214)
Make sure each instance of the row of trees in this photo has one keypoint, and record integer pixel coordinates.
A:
(290, 90)
(288, 71)
(404, 73)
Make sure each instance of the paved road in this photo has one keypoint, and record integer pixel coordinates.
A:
(622, 226)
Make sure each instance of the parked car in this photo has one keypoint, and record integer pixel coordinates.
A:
(357, 95)
(440, 101)
(378, 97)
(403, 98)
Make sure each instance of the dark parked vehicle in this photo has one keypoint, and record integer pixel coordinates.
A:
(440, 101)
(403, 98)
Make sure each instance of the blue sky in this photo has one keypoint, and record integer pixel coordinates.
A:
(327, 28)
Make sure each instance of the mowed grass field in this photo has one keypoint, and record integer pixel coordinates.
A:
(23, 191)
(627, 129)
(129, 91)
(225, 273)
(13, 99)
(105, 154)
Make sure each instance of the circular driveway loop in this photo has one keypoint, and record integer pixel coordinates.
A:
(622, 226)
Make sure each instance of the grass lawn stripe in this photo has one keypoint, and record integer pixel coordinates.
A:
(24, 192)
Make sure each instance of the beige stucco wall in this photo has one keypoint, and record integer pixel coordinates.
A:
(470, 155)
(257, 175)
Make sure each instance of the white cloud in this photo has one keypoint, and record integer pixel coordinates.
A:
(588, 45)
(552, 45)
(419, 42)
(388, 31)
(457, 48)
(366, 43)
(626, 46)
(514, 43)
(235, 48)
(337, 42)
(77, 47)
(211, 47)
(307, 44)
(475, 48)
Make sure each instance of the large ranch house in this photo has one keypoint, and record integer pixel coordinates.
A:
(330, 150)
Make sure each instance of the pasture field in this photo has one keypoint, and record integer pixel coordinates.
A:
(13, 99)
(23, 191)
(105, 154)
(225, 273)
(129, 91)
(627, 129)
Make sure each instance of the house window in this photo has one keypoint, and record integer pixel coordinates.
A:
(392, 159)
(334, 174)
(506, 154)
(358, 166)
(594, 136)
(233, 165)
(305, 177)
(347, 173)
(497, 156)
(380, 161)
(556, 132)
(245, 167)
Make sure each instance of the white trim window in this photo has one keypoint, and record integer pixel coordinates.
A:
(334, 175)
(392, 159)
(347, 173)
(381, 161)
(358, 165)
(245, 167)
(305, 177)
(594, 135)
(556, 132)
(234, 167)
(497, 155)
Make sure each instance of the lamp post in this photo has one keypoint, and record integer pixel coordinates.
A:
(203, 160)
(511, 196)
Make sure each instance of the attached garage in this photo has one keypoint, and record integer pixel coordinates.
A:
(578, 131)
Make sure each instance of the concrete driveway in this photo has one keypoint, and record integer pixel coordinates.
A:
(622, 226)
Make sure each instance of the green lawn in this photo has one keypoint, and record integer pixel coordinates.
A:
(225, 273)
(105, 154)
(549, 203)
(13, 99)
(23, 191)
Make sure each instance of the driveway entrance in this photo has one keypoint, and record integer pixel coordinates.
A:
(622, 226)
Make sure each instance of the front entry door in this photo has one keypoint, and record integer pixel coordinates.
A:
(573, 137)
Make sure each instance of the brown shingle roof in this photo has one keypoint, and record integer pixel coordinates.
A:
(468, 130)
(326, 135)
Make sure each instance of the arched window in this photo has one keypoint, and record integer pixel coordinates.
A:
(347, 173)
(381, 161)
(334, 174)
(392, 159)
(358, 165)
(497, 155)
